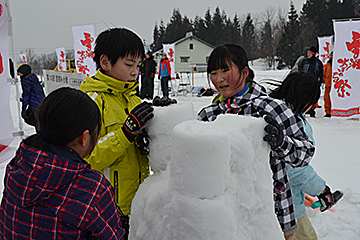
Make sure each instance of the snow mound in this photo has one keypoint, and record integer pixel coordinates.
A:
(214, 183)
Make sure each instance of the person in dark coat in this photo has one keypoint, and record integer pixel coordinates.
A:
(32, 94)
(147, 77)
(315, 67)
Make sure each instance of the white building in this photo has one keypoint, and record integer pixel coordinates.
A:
(189, 49)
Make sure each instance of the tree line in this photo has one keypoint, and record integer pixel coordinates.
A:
(274, 35)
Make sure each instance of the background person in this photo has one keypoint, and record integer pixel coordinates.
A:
(164, 74)
(313, 66)
(147, 70)
(328, 82)
(32, 94)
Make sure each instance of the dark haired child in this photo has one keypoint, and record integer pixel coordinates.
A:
(118, 54)
(300, 91)
(239, 94)
(50, 191)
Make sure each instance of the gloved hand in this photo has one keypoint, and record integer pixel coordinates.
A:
(23, 114)
(328, 199)
(274, 135)
(209, 113)
(142, 142)
(137, 119)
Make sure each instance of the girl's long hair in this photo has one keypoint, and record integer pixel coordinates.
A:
(299, 90)
(63, 116)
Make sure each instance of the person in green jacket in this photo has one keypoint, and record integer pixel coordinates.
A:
(120, 153)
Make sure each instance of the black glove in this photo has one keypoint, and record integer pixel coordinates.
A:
(137, 119)
(157, 101)
(328, 199)
(142, 142)
(274, 135)
(23, 114)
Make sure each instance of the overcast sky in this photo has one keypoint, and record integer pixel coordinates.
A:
(45, 25)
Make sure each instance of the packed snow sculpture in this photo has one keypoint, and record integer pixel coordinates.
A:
(211, 180)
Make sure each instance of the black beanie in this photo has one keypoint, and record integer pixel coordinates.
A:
(313, 49)
(24, 69)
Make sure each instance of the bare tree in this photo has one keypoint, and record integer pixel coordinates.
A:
(44, 61)
(30, 55)
(273, 22)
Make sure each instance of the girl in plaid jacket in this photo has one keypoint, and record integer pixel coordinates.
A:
(239, 94)
(50, 191)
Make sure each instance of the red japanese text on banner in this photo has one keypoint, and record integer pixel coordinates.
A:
(345, 89)
(84, 40)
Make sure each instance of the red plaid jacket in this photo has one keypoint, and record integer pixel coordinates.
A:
(56, 196)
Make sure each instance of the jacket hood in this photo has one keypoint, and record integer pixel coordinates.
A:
(104, 83)
(34, 175)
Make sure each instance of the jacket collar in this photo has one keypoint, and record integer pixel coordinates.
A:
(104, 83)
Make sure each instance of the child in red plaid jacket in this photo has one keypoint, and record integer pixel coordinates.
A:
(50, 191)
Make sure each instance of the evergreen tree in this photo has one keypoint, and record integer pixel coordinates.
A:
(248, 37)
(236, 33)
(290, 46)
(266, 46)
(173, 29)
(226, 34)
(200, 28)
(216, 28)
(208, 26)
(155, 44)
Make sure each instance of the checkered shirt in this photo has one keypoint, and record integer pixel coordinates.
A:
(47, 196)
(297, 149)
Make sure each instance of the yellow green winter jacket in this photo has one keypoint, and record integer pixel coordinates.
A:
(114, 156)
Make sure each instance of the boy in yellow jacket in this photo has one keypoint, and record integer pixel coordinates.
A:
(118, 54)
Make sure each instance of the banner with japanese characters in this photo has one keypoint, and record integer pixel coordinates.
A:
(22, 56)
(6, 126)
(345, 89)
(84, 40)
(55, 79)
(61, 59)
(325, 48)
(169, 49)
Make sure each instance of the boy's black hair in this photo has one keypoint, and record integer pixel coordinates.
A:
(299, 90)
(117, 43)
(64, 115)
(222, 56)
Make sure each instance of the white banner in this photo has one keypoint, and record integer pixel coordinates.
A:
(84, 49)
(61, 59)
(345, 91)
(55, 79)
(325, 48)
(6, 126)
(23, 57)
(169, 49)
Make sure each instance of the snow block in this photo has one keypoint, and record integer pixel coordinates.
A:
(159, 128)
(217, 183)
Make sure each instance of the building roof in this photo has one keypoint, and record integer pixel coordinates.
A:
(187, 36)
(190, 35)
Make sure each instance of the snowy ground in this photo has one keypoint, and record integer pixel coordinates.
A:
(336, 160)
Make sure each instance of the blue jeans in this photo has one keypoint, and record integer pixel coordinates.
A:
(165, 85)
(304, 180)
